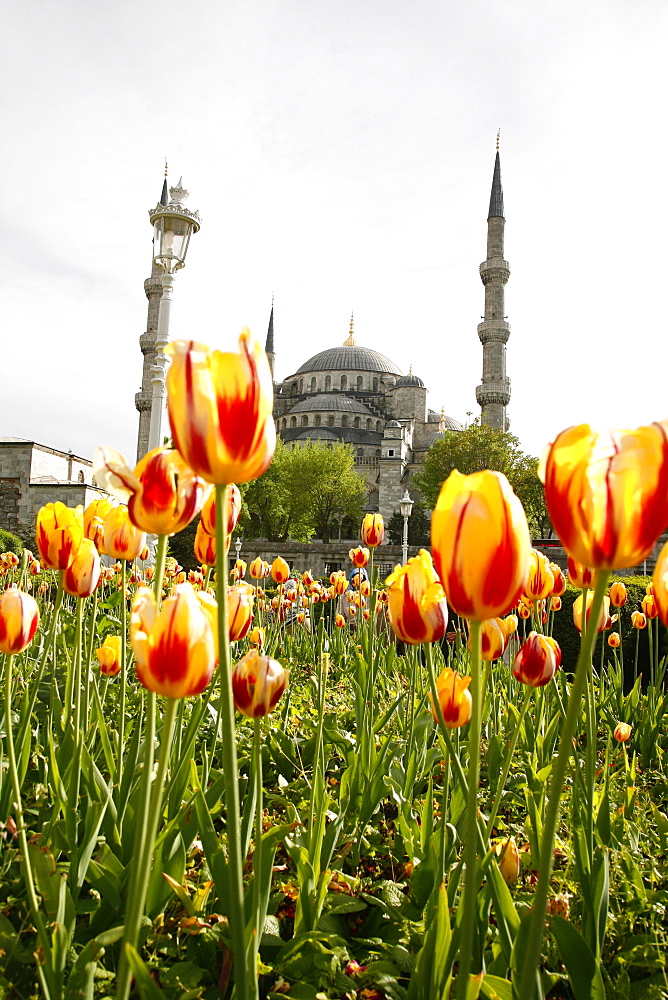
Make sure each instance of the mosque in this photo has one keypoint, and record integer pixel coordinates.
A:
(353, 393)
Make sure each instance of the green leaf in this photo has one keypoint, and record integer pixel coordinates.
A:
(148, 989)
(584, 974)
(495, 988)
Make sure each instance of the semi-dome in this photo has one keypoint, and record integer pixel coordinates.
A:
(408, 380)
(393, 423)
(353, 358)
(331, 401)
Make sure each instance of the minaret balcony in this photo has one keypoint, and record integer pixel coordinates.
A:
(492, 331)
(495, 269)
(493, 392)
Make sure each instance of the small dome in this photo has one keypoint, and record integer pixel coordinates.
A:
(408, 380)
(316, 434)
(347, 358)
(329, 402)
(393, 423)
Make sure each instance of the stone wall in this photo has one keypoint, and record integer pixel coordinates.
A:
(319, 558)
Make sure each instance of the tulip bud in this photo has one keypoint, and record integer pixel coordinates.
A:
(122, 540)
(649, 607)
(280, 571)
(339, 621)
(83, 574)
(538, 660)
(509, 860)
(359, 557)
(256, 636)
(257, 684)
(541, 578)
(454, 698)
(208, 515)
(109, 656)
(622, 732)
(638, 620)
(559, 588)
(204, 546)
(614, 640)
(577, 612)
(239, 611)
(19, 618)
(59, 532)
(494, 639)
(555, 604)
(618, 595)
(372, 531)
(581, 576)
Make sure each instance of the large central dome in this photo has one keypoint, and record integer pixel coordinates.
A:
(352, 358)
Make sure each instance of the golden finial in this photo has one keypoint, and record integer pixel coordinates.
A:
(498, 139)
(410, 369)
(350, 341)
(165, 166)
(441, 423)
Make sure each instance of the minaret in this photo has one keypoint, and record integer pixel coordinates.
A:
(153, 289)
(493, 394)
(269, 344)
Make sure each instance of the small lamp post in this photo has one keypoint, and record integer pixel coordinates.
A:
(173, 225)
(406, 505)
(237, 545)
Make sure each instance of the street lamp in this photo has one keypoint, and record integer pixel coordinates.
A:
(237, 546)
(406, 505)
(173, 225)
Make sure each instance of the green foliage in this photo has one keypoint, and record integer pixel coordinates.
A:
(303, 492)
(480, 447)
(10, 542)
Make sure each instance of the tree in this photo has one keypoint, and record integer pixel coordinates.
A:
(306, 489)
(480, 447)
(418, 526)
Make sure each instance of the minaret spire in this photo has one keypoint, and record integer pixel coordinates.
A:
(164, 197)
(350, 339)
(493, 394)
(269, 344)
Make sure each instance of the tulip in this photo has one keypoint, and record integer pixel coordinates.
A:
(606, 493)
(659, 585)
(417, 605)
(649, 589)
(581, 576)
(163, 495)
(280, 571)
(83, 574)
(559, 588)
(372, 531)
(649, 606)
(510, 624)
(239, 611)
(339, 621)
(618, 595)
(220, 409)
(257, 684)
(638, 620)
(308, 579)
(19, 618)
(59, 532)
(509, 860)
(109, 656)
(34, 568)
(9, 559)
(577, 611)
(481, 545)
(540, 581)
(204, 546)
(256, 636)
(622, 732)
(359, 557)
(555, 604)
(122, 540)
(93, 519)
(256, 568)
(494, 639)
(233, 507)
(538, 660)
(175, 649)
(523, 610)
(454, 699)
(144, 554)
(614, 640)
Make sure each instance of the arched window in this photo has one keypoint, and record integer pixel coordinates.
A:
(359, 383)
(318, 420)
(301, 385)
(357, 422)
(328, 382)
(344, 382)
(80, 477)
(330, 421)
(360, 452)
(344, 421)
(293, 421)
(285, 422)
(294, 388)
(313, 384)
(375, 385)
(368, 423)
(377, 452)
(304, 421)
(378, 425)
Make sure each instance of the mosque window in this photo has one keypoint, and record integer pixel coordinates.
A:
(359, 383)
(301, 385)
(304, 421)
(375, 385)
(330, 421)
(378, 425)
(328, 382)
(80, 477)
(285, 422)
(318, 420)
(377, 452)
(344, 421)
(360, 452)
(313, 384)
(368, 423)
(293, 389)
(344, 382)
(357, 422)
(293, 421)
(390, 452)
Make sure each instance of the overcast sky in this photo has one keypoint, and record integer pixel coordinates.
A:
(340, 153)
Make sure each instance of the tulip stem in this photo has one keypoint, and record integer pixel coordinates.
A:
(527, 986)
(149, 811)
(235, 900)
(470, 893)
(257, 852)
(43, 968)
(123, 677)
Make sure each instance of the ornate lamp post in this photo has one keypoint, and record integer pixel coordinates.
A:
(406, 505)
(173, 225)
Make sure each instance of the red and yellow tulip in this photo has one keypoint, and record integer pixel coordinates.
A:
(19, 618)
(83, 574)
(454, 698)
(257, 684)
(538, 660)
(417, 606)
(59, 533)
(109, 656)
(372, 531)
